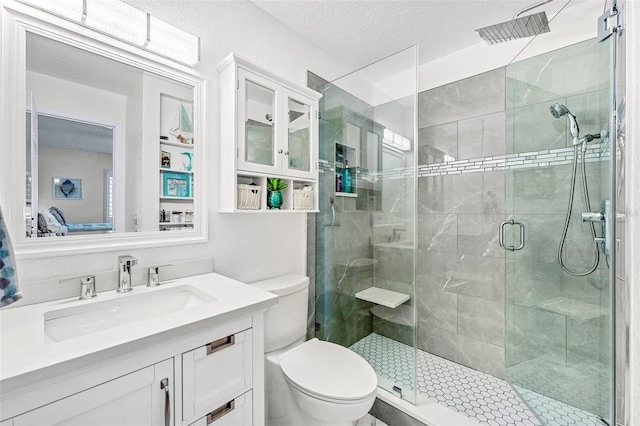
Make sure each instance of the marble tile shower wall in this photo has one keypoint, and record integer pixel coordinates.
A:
(340, 267)
(474, 173)
(461, 270)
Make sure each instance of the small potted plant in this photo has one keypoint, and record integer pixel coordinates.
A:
(274, 194)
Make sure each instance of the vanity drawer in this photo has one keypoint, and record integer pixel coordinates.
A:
(215, 373)
(237, 412)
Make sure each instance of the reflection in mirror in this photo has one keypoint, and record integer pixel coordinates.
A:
(260, 105)
(110, 147)
(299, 138)
(68, 148)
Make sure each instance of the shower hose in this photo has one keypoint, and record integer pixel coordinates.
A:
(567, 220)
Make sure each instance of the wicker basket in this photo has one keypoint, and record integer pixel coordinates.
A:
(302, 199)
(249, 197)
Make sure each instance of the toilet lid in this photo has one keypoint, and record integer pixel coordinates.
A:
(329, 371)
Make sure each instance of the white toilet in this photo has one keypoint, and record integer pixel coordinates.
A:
(312, 383)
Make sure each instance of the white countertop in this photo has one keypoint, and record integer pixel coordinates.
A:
(24, 350)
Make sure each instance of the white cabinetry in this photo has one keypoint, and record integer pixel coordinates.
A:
(233, 413)
(143, 397)
(269, 128)
(214, 376)
(215, 372)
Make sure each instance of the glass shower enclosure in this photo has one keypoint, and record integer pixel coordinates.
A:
(559, 291)
(364, 233)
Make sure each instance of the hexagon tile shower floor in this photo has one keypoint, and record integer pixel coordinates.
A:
(487, 399)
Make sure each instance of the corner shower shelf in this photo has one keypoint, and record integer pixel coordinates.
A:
(381, 296)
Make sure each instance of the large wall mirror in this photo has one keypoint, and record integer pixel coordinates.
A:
(102, 146)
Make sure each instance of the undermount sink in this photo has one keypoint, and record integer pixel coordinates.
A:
(91, 317)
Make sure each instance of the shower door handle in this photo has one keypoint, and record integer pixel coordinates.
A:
(501, 235)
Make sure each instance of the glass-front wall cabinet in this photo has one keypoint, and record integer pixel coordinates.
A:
(270, 131)
(298, 153)
(276, 128)
(259, 151)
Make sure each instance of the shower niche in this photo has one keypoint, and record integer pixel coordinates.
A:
(356, 156)
(346, 174)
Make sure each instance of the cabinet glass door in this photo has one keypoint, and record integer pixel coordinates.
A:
(258, 107)
(299, 153)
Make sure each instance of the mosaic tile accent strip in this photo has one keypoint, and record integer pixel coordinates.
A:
(522, 160)
(485, 398)
(550, 157)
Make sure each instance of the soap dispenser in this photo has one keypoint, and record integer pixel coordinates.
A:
(346, 178)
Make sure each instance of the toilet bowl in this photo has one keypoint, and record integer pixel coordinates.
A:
(310, 383)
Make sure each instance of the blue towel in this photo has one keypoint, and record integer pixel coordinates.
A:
(8, 278)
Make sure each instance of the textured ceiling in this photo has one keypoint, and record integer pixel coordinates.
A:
(362, 32)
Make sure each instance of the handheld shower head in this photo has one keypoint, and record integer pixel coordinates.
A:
(559, 111)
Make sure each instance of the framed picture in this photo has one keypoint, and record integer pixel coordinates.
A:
(165, 159)
(176, 185)
(65, 188)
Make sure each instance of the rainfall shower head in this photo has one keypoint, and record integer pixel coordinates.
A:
(559, 111)
(518, 27)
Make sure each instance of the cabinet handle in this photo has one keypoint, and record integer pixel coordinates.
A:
(220, 344)
(164, 384)
(221, 411)
(286, 153)
(268, 117)
(280, 151)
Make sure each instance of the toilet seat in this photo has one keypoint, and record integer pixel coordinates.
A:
(329, 372)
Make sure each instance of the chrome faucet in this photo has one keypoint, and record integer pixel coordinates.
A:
(154, 275)
(124, 273)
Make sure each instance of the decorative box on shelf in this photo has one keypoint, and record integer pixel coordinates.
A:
(303, 199)
(249, 197)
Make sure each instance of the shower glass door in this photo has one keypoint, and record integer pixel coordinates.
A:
(364, 232)
(558, 302)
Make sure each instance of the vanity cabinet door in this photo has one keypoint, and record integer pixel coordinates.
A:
(137, 399)
(216, 373)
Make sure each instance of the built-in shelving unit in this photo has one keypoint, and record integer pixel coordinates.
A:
(269, 129)
(176, 165)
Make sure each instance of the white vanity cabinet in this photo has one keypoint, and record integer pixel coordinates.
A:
(213, 376)
(269, 128)
(144, 397)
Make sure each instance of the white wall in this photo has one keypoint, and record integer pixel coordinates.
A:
(243, 246)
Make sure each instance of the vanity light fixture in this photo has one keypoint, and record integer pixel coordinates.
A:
(126, 23)
(396, 141)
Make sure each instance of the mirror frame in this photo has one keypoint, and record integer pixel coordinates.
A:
(17, 20)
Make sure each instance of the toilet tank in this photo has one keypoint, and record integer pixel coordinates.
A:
(285, 322)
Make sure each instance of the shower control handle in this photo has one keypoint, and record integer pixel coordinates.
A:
(592, 217)
(604, 218)
(501, 235)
